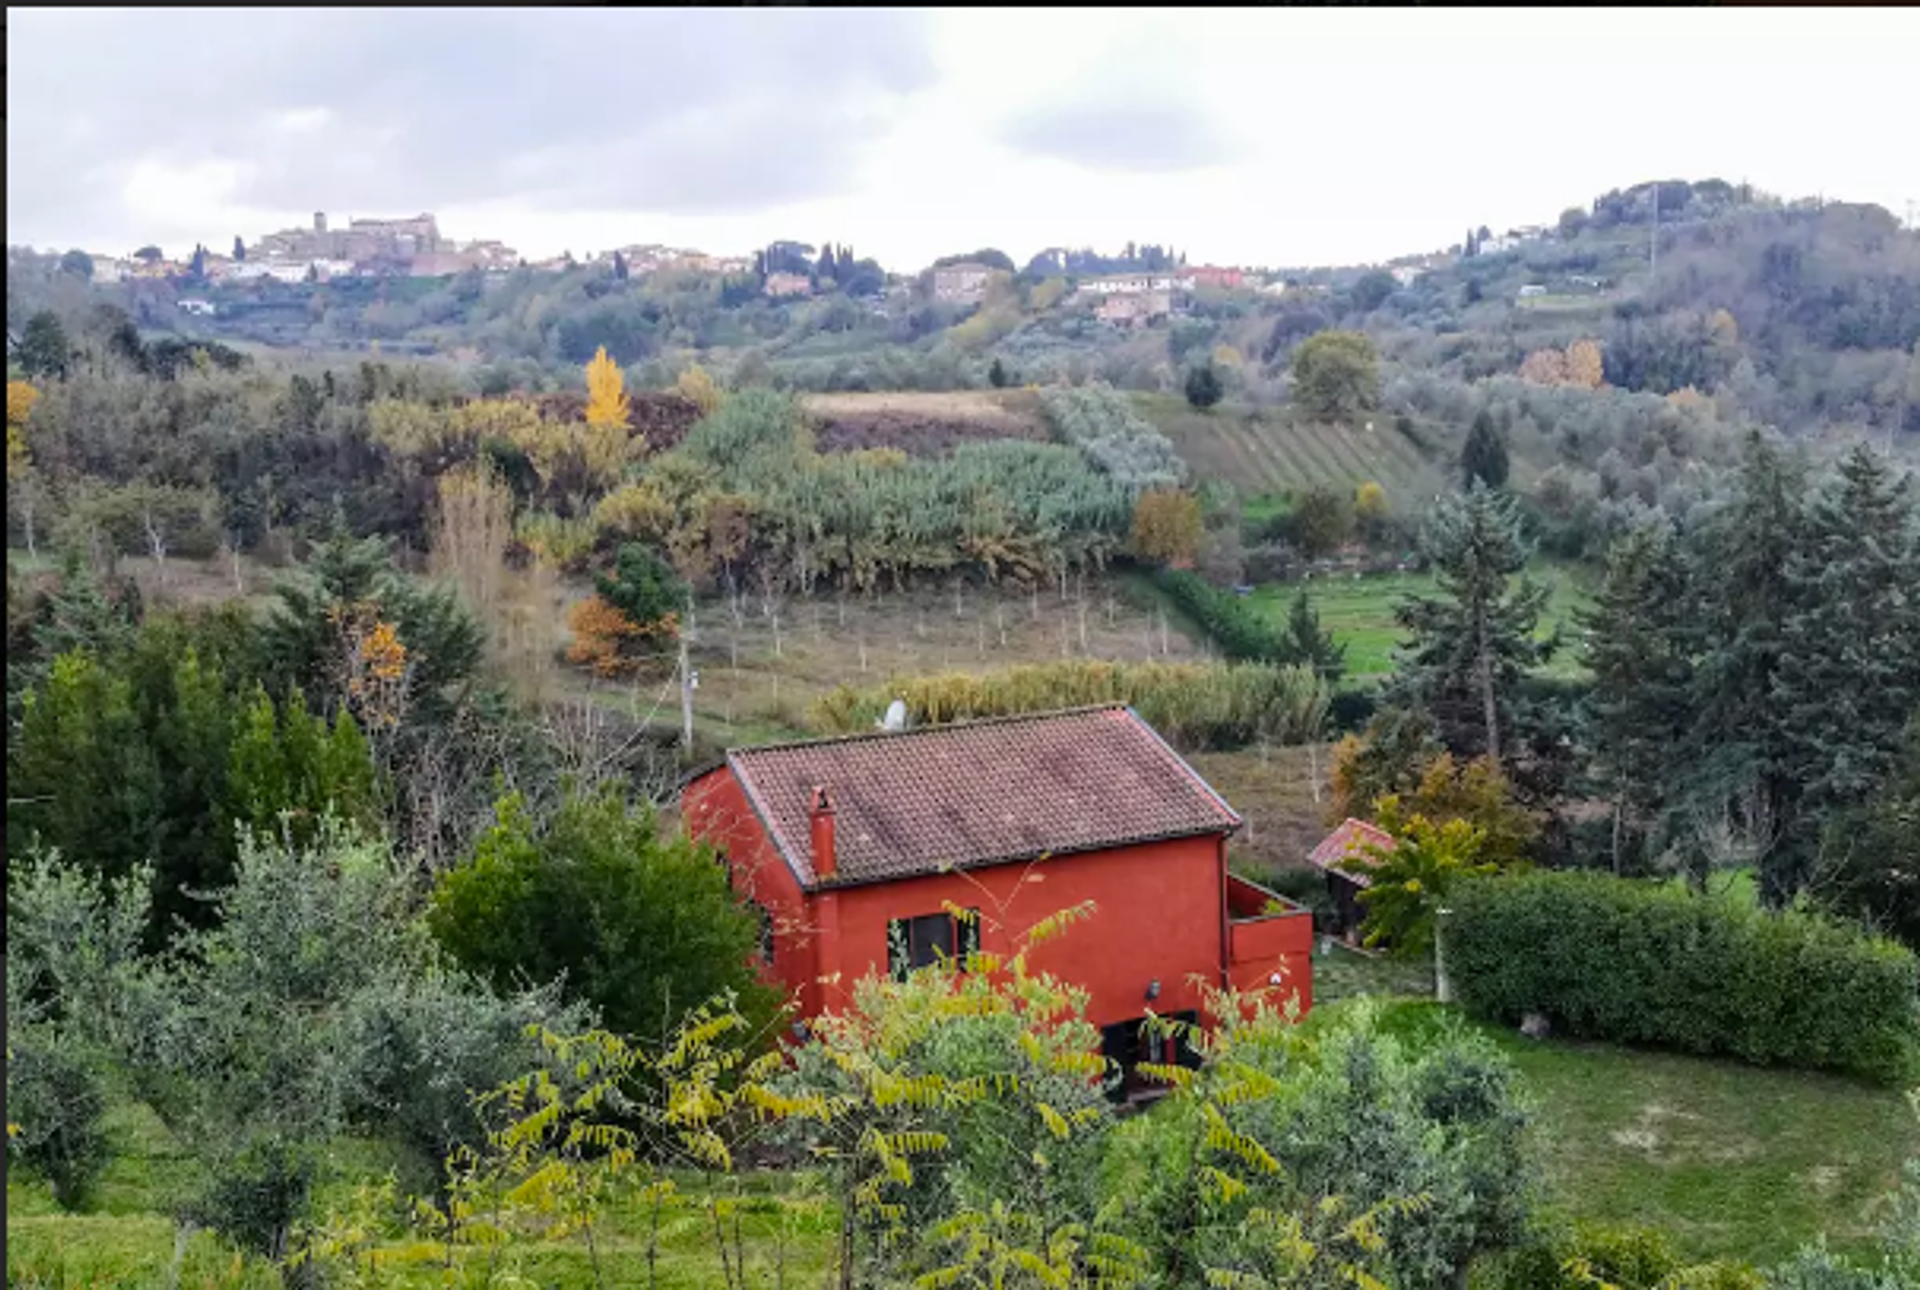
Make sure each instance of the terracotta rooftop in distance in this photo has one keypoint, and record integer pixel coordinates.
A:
(1345, 849)
(980, 793)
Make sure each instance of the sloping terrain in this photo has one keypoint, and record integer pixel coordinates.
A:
(1264, 450)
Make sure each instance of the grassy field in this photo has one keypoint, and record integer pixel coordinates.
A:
(1263, 450)
(126, 1239)
(1359, 612)
(1729, 1160)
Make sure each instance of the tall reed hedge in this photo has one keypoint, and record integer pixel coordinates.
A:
(1194, 706)
(1617, 959)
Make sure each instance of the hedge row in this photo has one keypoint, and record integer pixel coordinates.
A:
(1614, 959)
(1242, 632)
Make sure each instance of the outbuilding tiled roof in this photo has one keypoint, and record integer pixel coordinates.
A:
(978, 793)
(1345, 849)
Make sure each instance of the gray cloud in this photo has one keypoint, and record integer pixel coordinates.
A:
(1144, 133)
(668, 111)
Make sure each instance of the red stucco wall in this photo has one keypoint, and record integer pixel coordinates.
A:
(1263, 944)
(715, 810)
(1158, 915)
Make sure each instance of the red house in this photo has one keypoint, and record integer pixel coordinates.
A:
(1208, 275)
(850, 847)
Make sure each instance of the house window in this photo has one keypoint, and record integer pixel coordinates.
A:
(765, 918)
(914, 943)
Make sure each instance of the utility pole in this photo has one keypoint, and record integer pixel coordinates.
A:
(686, 698)
(1653, 238)
(689, 680)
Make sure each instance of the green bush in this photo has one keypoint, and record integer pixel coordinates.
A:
(638, 924)
(1625, 1258)
(1610, 958)
(56, 1097)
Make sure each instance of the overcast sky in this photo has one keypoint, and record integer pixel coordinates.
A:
(1258, 137)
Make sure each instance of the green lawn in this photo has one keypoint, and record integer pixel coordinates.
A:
(1358, 610)
(1731, 1161)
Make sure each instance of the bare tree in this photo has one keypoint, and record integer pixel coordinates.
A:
(473, 523)
(592, 746)
(156, 540)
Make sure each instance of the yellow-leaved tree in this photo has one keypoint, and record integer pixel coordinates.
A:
(1584, 365)
(1370, 501)
(1167, 527)
(608, 407)
(697, 387)
(23, 486)
(20, 400)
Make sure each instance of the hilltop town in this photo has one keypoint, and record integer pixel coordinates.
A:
(415, 247)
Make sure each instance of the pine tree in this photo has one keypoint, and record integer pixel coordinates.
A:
(1484, 455)
(1639, 648)
(1738, 763)
(1305, 641)
(1849, 667)
(1472, 644)
(620, 266)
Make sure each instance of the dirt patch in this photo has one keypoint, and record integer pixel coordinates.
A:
(1657, 1127)
(923, 424)
(1275, 793)
(662, 416)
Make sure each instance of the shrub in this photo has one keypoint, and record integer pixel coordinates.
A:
(641, 926)
(57, 1099)
(1625, 1258)
(1609, 958)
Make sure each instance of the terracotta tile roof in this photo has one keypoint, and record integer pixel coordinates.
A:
(980, 792)
(1344, 849)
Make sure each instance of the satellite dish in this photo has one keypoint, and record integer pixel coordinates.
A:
(896, 718)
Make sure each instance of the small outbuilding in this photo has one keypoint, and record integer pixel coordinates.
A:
(1345, 855)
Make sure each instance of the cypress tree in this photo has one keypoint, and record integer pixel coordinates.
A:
(1484, 455)
(1472, 644)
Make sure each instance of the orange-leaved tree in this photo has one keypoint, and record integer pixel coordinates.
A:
(635, 608)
